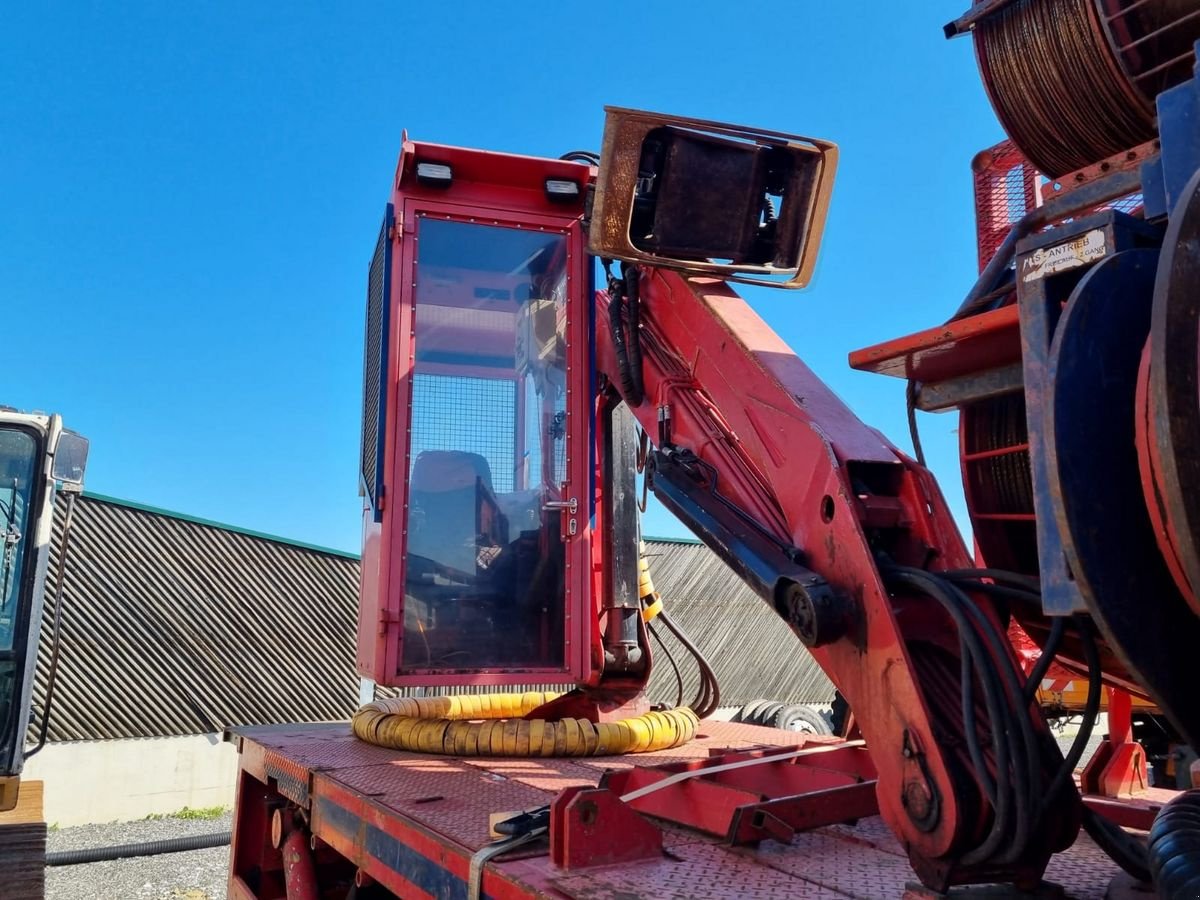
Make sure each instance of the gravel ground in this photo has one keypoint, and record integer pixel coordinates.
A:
(194, 875)
(1067, 736)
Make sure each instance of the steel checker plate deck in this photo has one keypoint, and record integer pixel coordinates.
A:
(412, 821)
(1095, 484)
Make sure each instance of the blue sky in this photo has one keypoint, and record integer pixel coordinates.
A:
(190, 196)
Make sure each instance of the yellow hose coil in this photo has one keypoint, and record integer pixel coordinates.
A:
(645, 582)
(490, 725)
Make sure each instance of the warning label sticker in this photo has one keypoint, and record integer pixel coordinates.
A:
(1051, 260)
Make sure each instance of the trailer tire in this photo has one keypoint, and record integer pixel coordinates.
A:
(1175, 848)
(749, 712)
(805, 719)
(766, 714)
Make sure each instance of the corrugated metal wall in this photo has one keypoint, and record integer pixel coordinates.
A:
(754, 654)
(177, 626)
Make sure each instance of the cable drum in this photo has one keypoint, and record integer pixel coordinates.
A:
(1057, 86)
(1154, 40)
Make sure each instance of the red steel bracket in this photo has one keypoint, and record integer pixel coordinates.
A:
(1118, 767)
(748, 796)
(592, 827)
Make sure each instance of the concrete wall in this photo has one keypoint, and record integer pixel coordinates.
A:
(108, 781)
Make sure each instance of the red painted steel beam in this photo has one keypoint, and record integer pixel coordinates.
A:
(786, 448)
(1123, 813)
(962, 347)
(780, 819)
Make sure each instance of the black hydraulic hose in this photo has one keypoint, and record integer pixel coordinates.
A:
(1053, 641)
(616, 324)
(914, 431)
(671, 659)
(1122, 848)
(146, 848)
(1175, 848)
(1027, 778)
(633, 295)
(969, 726)
(1029, 594)
(1027, 583)
(997, 591)
(710, 690)
(584, 156)
(1091, 708)
(999, 716)
(1038, 672)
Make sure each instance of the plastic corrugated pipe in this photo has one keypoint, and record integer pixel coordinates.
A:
(492, 725)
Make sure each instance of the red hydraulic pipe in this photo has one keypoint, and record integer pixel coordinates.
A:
(300, 875)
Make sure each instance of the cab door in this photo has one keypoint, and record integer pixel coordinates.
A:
(492, 451)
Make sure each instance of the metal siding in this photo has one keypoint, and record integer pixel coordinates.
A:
(173, 626)
(754, 654)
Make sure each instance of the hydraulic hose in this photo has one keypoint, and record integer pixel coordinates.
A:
(146, 848)
(633, 296)
(491, 725)
(628, 350)
(709, 696)
(1175, 848)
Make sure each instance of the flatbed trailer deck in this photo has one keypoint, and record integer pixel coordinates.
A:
(412, 822)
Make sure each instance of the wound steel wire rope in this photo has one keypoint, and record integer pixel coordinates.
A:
(1057, 87)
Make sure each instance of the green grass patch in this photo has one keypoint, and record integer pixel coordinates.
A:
(204, 812)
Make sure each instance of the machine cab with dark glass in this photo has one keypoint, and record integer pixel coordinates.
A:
(476, 524)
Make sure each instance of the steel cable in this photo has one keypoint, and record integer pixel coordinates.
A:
(1056, 86)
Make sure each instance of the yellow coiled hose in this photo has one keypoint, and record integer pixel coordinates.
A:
(491, 725)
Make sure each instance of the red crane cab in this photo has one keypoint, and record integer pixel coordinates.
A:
(475, 460)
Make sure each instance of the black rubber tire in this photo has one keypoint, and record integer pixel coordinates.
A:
(748, 712)
(805, 719)
(766, 714)
(1175, 848)
(839, 712)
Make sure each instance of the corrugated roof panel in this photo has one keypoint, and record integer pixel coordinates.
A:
(178, 626)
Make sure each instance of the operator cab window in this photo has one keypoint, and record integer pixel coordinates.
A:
(18, 453)
(484, 568)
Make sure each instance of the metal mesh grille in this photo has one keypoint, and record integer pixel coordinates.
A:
(1007, 186)
(1005, 189)
(473, 415)
(374, 363)
(1131, 204)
